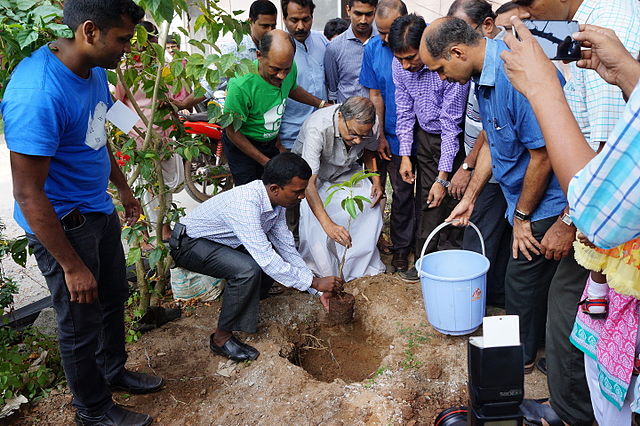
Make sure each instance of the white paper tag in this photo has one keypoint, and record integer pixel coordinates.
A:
(122, 116)
(501, 331)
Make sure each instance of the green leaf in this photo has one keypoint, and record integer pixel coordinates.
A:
(176, 68)
(154, 257)
(350, 207)
(26, 37)
(362, 198)
(134, 255)
(359, 204)
(47, 12)
(26, 4)
(327, 200)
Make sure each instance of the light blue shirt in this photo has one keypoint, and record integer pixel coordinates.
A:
(512, 130)
(310, 62)
(342, 63)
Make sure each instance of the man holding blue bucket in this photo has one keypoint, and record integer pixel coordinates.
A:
(516, 155)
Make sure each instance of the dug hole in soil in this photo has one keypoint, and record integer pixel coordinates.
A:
(387, 367)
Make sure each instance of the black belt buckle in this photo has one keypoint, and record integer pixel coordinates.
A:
(179, 231)
(73, 220)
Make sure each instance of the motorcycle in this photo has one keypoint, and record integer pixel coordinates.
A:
(206, 175)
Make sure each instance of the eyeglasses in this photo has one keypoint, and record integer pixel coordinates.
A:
(354, 135)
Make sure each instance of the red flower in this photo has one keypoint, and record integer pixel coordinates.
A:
(121, 162)
(126, 157)
(118, 154)
(136, 58)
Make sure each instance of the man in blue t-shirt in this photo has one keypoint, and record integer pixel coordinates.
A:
(54, 111)
(517, 156)
(376, 76)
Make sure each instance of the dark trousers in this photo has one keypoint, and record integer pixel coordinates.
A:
(526, 290)
(90, 335)
(488, 216)
(565, 363)
(243, 168)
(246, 282)
(428, 156)
(404, 208)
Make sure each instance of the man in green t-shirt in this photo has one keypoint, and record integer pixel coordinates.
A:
(260, 99)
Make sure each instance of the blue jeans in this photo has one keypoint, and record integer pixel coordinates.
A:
(90, 335)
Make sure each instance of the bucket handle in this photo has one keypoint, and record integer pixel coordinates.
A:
(433, 234)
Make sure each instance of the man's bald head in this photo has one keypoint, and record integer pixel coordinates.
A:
(275, 57)
(387, 8)
(451, 48)
(446, 32)
(277, 42)
(387, 12)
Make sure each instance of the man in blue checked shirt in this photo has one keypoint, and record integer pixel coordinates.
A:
(377, 77)
(241, 235)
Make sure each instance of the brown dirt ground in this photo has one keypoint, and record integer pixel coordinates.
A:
(389, 367)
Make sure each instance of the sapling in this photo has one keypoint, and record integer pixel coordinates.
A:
(353, 205)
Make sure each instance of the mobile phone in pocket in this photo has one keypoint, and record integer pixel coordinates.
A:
(555, 38)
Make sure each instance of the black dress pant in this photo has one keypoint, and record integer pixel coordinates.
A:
(246, 282)
(245, 169)
(565, 363)
(428, 156)
(526, 290)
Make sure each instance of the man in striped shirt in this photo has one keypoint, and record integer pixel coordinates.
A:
(429, 114)
(597, 106)
(343, 57)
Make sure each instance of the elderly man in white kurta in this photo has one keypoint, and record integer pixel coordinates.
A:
(332, 140)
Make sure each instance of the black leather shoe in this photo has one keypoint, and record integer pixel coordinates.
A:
(234, 350)
(115, 416)
(137, 383)
(249, 348)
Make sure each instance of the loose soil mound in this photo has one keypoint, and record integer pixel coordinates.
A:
(388, 367)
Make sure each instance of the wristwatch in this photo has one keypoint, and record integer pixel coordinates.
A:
(566, 219)
(520, 215)
(443, 182)
(467, 167)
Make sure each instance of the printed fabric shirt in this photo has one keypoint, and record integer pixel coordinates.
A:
(604, 197)
(512, 130)
(260, 104)
(320, 144)
(342, 63)
(376, 74)
(596, 104)
(244, 216)
(309, 59)
(438, 106)
(50, 111)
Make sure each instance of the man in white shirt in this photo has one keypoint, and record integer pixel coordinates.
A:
(241, 235)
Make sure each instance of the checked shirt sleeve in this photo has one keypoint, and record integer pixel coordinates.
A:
(284, 245)
(405, 115)
(454, 102)
(604, 197)
(247, 226)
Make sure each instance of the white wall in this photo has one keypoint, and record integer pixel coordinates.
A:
(328, 9)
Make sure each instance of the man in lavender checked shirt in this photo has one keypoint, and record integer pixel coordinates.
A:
(242, 235)
(429, 113)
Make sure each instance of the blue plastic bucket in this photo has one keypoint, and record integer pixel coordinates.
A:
(454, 284)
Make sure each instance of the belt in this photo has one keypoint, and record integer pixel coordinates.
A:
(179, 231)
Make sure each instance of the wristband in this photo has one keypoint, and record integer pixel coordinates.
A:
(443, 182)
(322, 104)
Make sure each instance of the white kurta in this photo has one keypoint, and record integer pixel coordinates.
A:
(323, 255)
